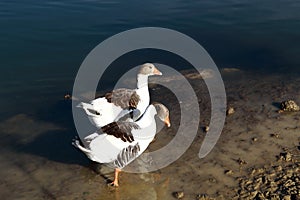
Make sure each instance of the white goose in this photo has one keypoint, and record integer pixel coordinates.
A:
(127, 103)
(123, 142)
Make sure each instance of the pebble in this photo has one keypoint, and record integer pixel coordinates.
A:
(178, 195)
(275, 135)
(206, 129)
(230, 111)
(287, 197)
(67, 96)
(289, 105)
(228, 172)
(241, 162)
(286, 156)
(278, 168)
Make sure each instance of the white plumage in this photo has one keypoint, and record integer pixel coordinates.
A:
(122, 142)
(117, 104)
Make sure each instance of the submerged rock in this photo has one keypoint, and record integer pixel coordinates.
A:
(67, 96)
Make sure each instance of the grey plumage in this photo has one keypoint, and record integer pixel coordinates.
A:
(126, 156)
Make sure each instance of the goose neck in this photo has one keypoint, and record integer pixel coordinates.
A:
(142, 81)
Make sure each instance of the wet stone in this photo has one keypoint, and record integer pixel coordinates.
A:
(289, 106)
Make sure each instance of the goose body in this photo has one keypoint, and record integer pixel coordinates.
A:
(122, 104)
(122, 142)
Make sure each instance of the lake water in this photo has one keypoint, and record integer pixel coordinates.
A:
(43, 44)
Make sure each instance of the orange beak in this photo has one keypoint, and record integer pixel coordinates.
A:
(157, 72)
(167, 121)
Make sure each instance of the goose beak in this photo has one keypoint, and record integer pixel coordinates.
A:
(157, 72)
(167, 122)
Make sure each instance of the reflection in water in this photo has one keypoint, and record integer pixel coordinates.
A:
(152, 189)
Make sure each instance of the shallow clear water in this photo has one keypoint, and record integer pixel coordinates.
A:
(44, 42)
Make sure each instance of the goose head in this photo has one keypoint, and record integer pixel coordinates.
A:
(149, 69)
(163, 113)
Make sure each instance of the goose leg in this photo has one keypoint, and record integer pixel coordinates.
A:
(116, 182)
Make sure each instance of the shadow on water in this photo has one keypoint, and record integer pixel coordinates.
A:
(47, 134)
(56, 146)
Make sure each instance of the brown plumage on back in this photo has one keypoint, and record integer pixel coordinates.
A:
(134, 100)
(125, 98)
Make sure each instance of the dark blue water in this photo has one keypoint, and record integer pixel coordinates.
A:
(44, 42)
